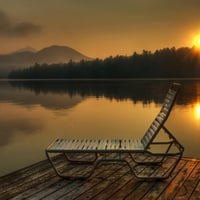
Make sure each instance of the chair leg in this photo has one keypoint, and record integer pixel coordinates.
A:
(76, 161)
(151, 162)
(98, 160)
(151, 176)
(52, 164)
(155, 155)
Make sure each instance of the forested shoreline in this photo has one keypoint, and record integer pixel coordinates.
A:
(165, 63)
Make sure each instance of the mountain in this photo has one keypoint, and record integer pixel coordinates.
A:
(59, 54)
(25, 49)
(27, 57)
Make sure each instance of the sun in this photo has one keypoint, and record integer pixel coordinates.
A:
(196, 41)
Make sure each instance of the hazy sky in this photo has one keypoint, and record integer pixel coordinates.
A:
(99, 28)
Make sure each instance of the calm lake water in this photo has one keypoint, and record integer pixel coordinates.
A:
(35, 113)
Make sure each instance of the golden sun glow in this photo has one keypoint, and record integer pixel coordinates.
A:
(197, 110)
(196, 41)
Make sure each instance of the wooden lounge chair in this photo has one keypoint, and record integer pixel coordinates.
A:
(136, 153)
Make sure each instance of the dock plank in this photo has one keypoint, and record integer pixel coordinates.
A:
(93, 182)
(190, 183)
(34, 176)
(109, 181)
(79, 186)
(178, 181)
(196, 193)
(111, 189)
(103, 184)
(126, 189)
(159, 187)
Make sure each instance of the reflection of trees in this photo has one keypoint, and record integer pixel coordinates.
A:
(29, 97)
(136, 90)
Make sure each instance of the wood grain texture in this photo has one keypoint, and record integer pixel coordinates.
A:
(110, 181)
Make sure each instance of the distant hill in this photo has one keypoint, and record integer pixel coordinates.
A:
(27, 57)
(25, 49)
(164, 63)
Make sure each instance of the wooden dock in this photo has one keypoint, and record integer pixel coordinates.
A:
(110, 181)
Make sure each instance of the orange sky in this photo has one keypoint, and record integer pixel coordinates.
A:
(98, 28)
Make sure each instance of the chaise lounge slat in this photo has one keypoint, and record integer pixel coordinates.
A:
(101, 148)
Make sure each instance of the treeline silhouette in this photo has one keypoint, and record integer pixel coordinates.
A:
(145, 91)
(165, 63)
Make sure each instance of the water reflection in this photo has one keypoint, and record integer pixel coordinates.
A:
(197, 110)
(35, 113)
(15, 120)
(14, 92)
(146, 91)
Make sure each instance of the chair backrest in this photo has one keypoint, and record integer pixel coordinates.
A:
(162, 116)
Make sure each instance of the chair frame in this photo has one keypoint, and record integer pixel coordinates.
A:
(126, 149)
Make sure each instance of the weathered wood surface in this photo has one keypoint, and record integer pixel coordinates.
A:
(110, 181)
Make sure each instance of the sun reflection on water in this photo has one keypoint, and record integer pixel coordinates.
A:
(197, 110)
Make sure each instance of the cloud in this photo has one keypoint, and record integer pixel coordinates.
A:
(11, 29)
(10, 127)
